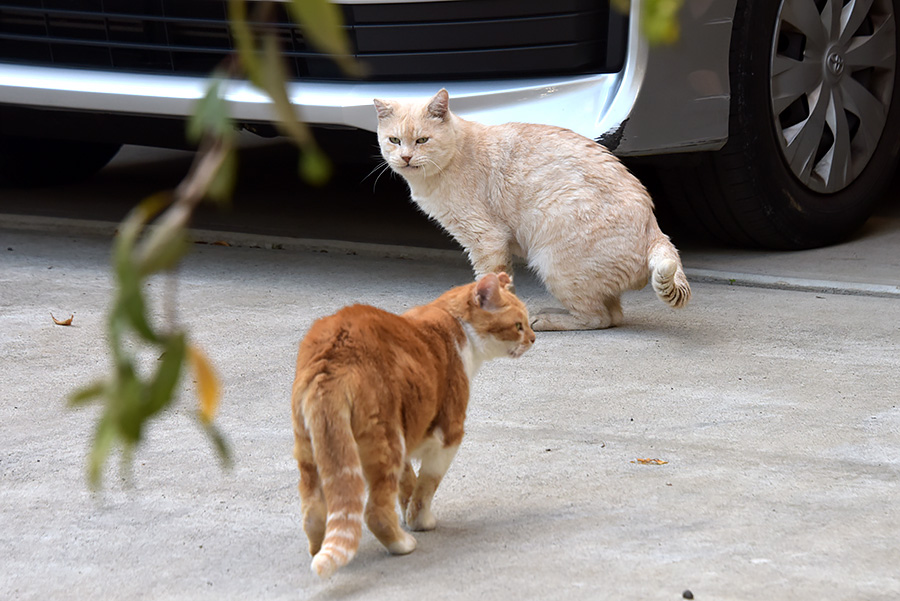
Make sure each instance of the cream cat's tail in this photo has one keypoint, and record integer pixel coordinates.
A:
(666, 272)
(340, 472)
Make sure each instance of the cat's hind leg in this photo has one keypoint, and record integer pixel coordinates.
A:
(312, 500)
(582, 311)
(383, 461)
(436, 460)
(614, 309)
(561, 320)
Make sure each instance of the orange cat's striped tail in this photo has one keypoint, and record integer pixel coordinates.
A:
(666, 272)
(327, 415)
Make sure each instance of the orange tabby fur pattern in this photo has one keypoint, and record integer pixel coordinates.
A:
(373, 390)
(582, 221)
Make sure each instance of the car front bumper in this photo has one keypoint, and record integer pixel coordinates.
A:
(665, 99)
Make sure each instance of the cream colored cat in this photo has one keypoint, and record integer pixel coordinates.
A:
(372, 390)
(582, 221)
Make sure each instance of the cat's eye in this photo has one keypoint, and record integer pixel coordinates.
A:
(421, 140)
(519, 326)
(394, 140)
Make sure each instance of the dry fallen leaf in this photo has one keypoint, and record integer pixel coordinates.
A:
(220, 243)
(62, 322)
(650, 462)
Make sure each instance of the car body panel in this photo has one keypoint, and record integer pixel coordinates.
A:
(682, 100)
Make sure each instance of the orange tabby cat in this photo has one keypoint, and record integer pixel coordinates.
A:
(373, 390)
(563, 202)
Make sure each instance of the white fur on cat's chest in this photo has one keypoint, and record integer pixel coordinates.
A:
(432, 203)
(469, 352)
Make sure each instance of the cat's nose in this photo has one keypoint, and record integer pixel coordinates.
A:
(407, 159)
(531, 337)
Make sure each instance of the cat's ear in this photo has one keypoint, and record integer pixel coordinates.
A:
(383, 109)
(439, 106)
(487, 292)
(505, 280)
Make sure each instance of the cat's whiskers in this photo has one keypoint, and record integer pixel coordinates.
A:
(380, 168)
(440, 170)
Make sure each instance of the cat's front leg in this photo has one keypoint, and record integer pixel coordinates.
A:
(489, 251)
(484, 264)
(493, 262)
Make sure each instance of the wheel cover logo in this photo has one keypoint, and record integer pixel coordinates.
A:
(835, 63)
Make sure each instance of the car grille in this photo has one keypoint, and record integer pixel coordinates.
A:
(421, 40)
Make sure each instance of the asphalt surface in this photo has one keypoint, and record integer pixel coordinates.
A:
(772, 399)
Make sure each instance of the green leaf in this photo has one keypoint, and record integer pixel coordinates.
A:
(126, 406)
(127, 235)
(220, 444)
(244, 42)
(322, 24)
(161, 390)
(134, 223)
(315, 167)
(104, 438)
(274, 77)
(132, 307)
(659, 19)
(222, 184)
(87, 394)
(165, 252)
(211, 115)
(165, 244)
(129, 305)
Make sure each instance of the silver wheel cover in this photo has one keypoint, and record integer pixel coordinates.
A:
(832, 71)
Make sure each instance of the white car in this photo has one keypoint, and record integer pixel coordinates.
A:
(770, 123)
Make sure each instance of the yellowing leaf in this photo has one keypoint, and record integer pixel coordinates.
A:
(650, 461)
(209, 388)
(62, 322)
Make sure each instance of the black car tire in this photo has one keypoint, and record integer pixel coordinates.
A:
(748, 193)
(31, 162)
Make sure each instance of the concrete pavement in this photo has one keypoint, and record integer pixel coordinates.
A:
(775, 408)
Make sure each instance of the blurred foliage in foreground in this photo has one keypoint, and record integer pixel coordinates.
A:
(131, 397)
(659, 19)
